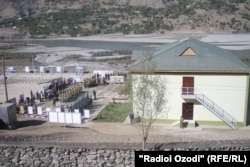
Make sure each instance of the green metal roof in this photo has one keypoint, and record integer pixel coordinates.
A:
(208, 58)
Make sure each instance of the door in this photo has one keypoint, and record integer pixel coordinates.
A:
(187, 111)
(188, 85)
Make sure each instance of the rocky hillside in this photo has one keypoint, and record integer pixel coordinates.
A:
(42, 18)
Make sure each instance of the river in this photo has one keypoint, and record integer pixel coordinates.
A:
(238, 43)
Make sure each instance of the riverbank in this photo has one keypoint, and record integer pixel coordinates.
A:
(55, 51)
(223, 38)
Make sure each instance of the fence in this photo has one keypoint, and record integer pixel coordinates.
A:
(67, 118)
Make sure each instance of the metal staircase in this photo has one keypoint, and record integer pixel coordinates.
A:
(190, 93)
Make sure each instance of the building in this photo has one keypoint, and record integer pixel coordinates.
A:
(207, 85)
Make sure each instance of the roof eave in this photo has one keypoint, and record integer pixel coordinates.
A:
(195, 71)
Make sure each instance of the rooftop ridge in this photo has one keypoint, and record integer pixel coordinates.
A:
(205, 57)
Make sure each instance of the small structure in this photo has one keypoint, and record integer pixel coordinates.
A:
(11, 69)
(79, 70)
(27, 69)
(8, 114)
(117, 79)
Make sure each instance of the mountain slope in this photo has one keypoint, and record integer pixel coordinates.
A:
(41, 18)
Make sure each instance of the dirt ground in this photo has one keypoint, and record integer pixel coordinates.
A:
(35, 128)
(39, 131)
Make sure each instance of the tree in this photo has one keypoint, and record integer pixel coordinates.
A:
(149, 94)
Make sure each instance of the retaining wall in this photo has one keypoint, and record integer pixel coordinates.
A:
(23, 156)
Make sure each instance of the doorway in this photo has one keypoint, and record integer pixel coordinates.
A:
(188, 86)
(187, 111)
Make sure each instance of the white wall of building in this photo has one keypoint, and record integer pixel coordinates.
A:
(227, 91)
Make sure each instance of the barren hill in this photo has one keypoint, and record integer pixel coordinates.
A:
(11, 8)
(42, 18)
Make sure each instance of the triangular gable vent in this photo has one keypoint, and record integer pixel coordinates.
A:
(188, 52)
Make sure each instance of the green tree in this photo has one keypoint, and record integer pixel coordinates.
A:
(149, 96)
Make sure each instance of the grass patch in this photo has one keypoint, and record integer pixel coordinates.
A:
(114, 112)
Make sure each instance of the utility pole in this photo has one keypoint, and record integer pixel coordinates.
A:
(5, 78)
(33, 63)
